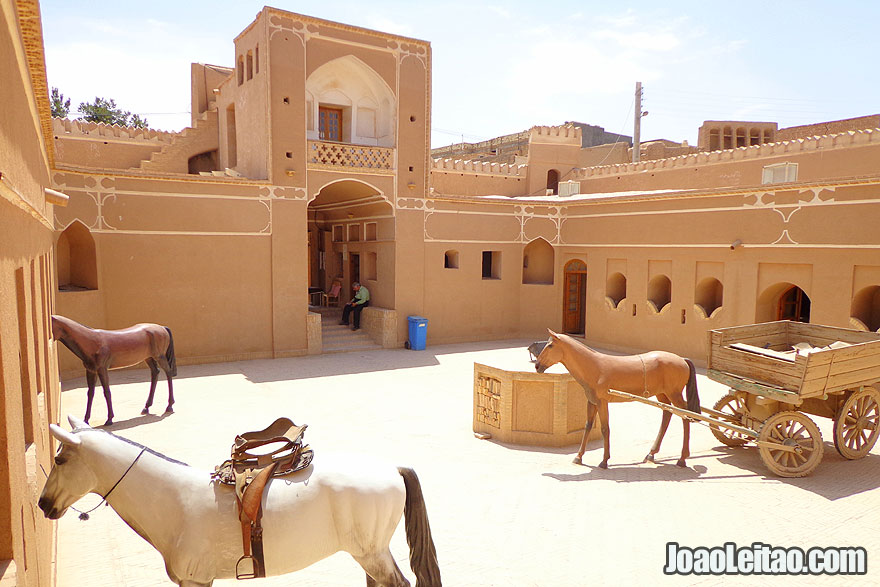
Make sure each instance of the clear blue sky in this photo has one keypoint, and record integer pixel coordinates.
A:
(503, 67)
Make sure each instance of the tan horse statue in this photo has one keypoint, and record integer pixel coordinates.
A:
(101, 350)
(656, 373)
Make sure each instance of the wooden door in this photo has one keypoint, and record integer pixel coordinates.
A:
(574, 298)
(330, 123)
(794, 305)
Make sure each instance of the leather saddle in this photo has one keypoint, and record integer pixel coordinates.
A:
(256, 457)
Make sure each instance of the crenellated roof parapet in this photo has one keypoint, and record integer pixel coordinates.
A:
(566, 133)
(78, 128)
(852, 138)
(478, 167)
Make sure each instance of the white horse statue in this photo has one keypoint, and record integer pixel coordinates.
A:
(332, 505)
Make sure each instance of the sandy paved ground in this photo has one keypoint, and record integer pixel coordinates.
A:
(501, 515)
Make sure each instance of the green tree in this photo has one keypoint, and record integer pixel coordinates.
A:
(60, 106)
(106, 111)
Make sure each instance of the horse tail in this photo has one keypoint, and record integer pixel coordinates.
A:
(422, 554)
(693, 398)
(169, 354)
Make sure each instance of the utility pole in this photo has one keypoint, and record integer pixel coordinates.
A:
(637, 128)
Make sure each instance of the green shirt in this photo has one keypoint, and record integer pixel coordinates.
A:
(362, 296)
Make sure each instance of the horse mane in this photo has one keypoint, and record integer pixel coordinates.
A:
(575, 343)
(133, 443)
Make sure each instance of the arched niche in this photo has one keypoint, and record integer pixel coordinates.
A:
(615, 289)
(366, 103)
(709, 296)
(659, 292)
(76, 261)
(866, 307)
(450, 259)
(538, 260)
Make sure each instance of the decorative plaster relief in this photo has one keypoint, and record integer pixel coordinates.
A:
(786, 203)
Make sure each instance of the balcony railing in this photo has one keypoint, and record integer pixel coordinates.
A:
(358, 158)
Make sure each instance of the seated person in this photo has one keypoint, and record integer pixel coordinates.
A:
(360, 301)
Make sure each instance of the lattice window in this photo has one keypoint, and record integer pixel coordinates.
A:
(489, 401)
(361, 157)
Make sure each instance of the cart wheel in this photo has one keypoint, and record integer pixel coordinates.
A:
(857, 425)
(791, 429)
(734, 407)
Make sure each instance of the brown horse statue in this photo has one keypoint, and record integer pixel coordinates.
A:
(102, 350)
(656, 373)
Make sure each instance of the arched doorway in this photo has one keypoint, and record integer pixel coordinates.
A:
(350, 228)
(794, 305)
(574, 302)
(553, 181)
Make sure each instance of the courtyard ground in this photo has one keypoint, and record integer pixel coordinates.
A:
(501, 515)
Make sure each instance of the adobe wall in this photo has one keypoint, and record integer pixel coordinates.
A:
(475, 178)
(552, 147)
(828, 128)
(851, 154)
(817, 239)
(249, 85)
(203, 257)
(103, 146)
(204, 79)
(30, 394)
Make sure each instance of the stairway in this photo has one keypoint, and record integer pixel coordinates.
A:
(174, 156)
(336, 338)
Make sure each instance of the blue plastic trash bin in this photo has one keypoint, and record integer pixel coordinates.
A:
(418, 332)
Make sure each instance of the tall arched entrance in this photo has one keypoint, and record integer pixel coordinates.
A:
(351, 238)
(574, 302)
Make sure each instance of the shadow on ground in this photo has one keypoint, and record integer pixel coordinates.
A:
(306, 367)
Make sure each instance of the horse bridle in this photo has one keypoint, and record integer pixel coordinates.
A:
(85, 515)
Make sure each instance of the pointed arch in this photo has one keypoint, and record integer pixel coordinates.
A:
(783, 301)
(367, 104)
(538, 262)
(866, 307)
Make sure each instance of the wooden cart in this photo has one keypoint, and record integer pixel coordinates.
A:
(778, 372)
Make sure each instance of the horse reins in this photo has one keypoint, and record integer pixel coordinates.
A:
(645, 374)
(85, 515)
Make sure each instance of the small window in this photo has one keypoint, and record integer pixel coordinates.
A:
(491, 264)
(240, 69)
(354, 232)
(450, 260)
(338, 233)
(257, 59)
(250, 66)
(370, 231)
(780, 173)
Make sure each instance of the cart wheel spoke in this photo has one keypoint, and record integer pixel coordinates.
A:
(857, 425)
(733, 408)
(791, 429)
